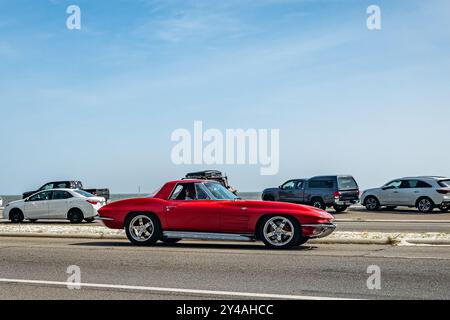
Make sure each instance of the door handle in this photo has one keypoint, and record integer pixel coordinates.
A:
(168, 208)
(244, 208)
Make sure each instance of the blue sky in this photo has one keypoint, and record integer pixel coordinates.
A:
(100, 104)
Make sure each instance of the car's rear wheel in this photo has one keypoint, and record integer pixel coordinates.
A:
(75, 216)
(372, 203)
(142, 229)
(425, 205)
(318, 203)
(280, 232)
(339, 208)
(16, 216)
(444, 208)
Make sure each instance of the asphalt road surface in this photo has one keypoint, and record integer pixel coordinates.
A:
(194, 270)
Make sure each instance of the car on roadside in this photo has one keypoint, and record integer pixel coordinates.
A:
(424, 193)
(202, 209)
(104, 193)
(338, 192)
(58, 204)
(1, 202)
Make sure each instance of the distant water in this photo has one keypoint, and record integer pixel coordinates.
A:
(117, 197)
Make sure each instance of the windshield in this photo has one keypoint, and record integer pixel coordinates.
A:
(347, 183)
(219, 192)
(445, 183)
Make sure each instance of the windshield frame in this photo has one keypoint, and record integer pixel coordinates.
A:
(204, 186)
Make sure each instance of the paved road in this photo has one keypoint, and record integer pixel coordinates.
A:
(336, 271)
(389, 226)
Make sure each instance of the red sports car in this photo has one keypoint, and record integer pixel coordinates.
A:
(199, 209)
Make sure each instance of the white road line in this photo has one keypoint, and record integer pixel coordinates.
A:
(170, 290)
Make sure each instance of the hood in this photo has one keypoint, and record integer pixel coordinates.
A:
(372, 190)
(306, 210)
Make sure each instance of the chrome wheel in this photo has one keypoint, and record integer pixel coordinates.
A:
(278, 231)
(141, 228)
(425, 205)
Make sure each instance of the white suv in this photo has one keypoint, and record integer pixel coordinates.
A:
(424, 193)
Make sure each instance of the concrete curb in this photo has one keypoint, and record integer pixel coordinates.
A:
(101, 236)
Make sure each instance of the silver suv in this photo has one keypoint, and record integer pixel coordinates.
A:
(424, 193)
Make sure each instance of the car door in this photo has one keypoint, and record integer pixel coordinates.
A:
(390, 193)
(189, 209)
(36, 207)
(287, 191)
(59, 204)
(419, 189)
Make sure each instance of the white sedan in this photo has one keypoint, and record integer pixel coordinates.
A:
(73, 205)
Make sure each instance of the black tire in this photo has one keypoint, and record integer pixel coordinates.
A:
(268, 198)
(170, 240)
(16, 216)
(425, 205)
(33, 220)
(444, 208)
(318, 203)
(154, 231)
(339, 208)
(89, 220)
(292, 242)
(372, 203)
(75, 216)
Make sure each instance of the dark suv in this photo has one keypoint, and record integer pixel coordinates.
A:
(323, 192)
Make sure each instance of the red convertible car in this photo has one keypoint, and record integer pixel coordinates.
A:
(200, 209)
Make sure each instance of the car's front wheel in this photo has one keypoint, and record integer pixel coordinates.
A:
(372, 203)
(318, 203)
(142, 229)
(16, 216)
(280, 232)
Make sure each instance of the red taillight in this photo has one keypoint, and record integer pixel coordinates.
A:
(358, 193)
(337, 195)
(93, 202)
(443, 191)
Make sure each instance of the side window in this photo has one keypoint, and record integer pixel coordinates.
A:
(422, 184)
(61, 195)
(43, 196)
(48, 186)
(184, 192)
(321, 184)
(393, 185)
(406, 184)
(299, 184)
(61, 185)
(289, 185)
